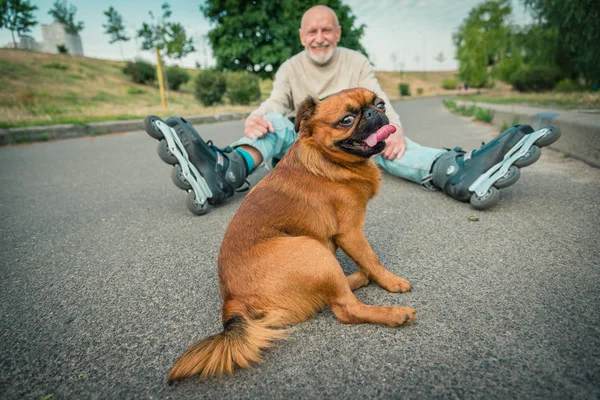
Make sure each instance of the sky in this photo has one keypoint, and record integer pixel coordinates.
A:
(399, 34)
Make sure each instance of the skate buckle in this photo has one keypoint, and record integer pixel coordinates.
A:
(487, 180)
(189, 171)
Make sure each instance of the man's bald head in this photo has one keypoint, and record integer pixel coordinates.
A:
(320, 32)
(319, 11)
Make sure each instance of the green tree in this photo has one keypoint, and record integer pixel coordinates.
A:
(179, 45)
(17, 16)
(65, 14)
(168, 37)
(260, 36)
(115, 28)
(575, 24)
(482, 40)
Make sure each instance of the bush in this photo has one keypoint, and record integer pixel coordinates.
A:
(449, 84)
(62, 49)
(404, 89)
(420, 91)
(450, 104)
(140, 71)
(484, 114)
(535, 79)
(506, 68)
(209, 87)
(135, 91)
(242, 88)
(567, 85)
(55, 65)
(176, 77)
(466, 111)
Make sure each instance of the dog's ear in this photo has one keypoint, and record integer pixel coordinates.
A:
(305, 112)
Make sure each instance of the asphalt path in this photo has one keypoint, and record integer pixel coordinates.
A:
(106, 278)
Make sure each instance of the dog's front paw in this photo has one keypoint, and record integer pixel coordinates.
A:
(393, 283)
(402, 316)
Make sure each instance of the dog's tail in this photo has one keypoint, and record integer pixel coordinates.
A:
(240, 344)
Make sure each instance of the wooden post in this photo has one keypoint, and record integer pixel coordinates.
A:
(161, 83)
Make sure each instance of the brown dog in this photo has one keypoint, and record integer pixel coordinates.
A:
(277, 263)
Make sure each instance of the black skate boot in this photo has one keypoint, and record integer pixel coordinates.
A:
(210, 175)
(477, 175)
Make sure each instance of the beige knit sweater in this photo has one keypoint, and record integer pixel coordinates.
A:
(300, 76)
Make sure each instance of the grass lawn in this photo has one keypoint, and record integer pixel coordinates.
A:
(584, 100)
(48, 89)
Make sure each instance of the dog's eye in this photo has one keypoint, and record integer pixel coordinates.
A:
(347, 120)
(381, 105)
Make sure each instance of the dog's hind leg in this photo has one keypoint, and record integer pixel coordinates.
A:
(309, 277)
(357, 280)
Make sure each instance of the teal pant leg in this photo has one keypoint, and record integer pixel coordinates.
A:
(275, 144)
(414, 165)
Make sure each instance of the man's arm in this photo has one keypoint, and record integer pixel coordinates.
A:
(280, 101)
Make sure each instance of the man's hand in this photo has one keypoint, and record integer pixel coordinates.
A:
(395, 145)
(257, 127)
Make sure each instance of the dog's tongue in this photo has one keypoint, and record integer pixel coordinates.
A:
(383, 133)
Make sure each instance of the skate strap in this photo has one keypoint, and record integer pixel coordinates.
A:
(468, 156)
(243, 188)
(427, 183)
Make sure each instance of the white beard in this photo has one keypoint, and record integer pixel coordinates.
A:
(322, 58)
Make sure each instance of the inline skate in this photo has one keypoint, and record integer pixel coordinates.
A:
(209, 174)
(477, 176)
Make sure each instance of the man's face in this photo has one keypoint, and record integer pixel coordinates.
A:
(319, 35)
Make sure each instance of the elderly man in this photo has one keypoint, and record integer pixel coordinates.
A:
(322, 69)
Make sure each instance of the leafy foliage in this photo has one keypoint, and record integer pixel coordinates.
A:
(536, 78)
(404, 89)
(140, 71)
(482, 40)
(209, 87)
(65, 14)
(449, 84)
(176, 77)
(576, 24)
(260, 36)
(114, 27)
(242, 88)
(17, 16)
(168, 37)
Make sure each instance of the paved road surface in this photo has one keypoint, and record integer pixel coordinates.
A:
(106, 278)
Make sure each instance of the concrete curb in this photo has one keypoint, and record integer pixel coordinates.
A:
(580, 131)
(51, 132)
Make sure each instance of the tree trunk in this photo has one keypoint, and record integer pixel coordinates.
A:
(121, 47)
(13, 37)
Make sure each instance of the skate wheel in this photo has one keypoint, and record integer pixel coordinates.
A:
(194, 205)
(178, 178)
(533, 154)
(151, 128)
(512, 175)
(487, 200)
(165, 154)
(549, 137)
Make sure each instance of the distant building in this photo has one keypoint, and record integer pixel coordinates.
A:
(28, 43)
(53, 36)
(25, 42)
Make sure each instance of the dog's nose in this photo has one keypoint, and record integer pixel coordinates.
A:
(370, 113)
